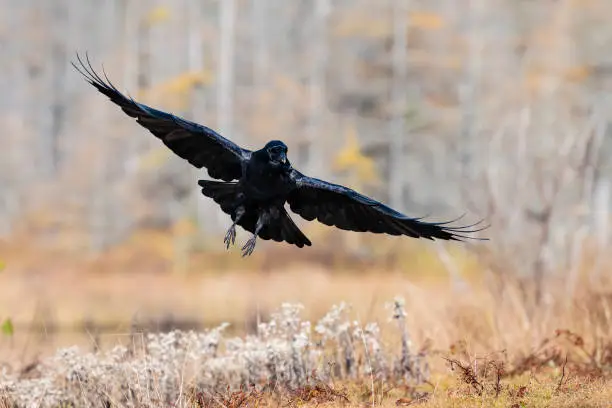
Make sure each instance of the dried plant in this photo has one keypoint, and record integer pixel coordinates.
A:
(179, 367)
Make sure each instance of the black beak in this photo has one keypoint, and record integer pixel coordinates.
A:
(283, 158)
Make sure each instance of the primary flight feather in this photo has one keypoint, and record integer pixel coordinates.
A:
(256, 184)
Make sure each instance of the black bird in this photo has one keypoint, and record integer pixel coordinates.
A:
(266, 181)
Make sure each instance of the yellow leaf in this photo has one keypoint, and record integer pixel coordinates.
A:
(426, 20)
(368, 26)
(157, 15)
(578, 73)
(350, 158)
(289, 86)
(362, 25)
(175, 91)
(537, 75)
(184, 82)
(154, 158)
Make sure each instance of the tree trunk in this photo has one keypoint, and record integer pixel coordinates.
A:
(317, 87)
(398, 95)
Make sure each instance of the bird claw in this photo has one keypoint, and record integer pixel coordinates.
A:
(230, 237)
(249, 247)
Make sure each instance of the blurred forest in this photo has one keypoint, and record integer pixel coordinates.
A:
(497, 108)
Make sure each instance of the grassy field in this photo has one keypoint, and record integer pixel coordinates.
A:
(339, 360)
(405, 336)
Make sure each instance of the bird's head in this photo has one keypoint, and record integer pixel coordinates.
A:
(277, 153)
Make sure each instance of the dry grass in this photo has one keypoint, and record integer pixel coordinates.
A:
(483, 341)
(206, 370)
(484, 319)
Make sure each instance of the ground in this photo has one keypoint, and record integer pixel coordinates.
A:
(482, 341)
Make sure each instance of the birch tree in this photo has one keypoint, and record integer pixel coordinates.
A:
(397, 124)
(259, 9)
(225, 71)
(317, 85)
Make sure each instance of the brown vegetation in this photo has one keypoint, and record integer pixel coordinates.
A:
(482, 340)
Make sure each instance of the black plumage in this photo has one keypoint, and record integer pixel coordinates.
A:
(257, 184)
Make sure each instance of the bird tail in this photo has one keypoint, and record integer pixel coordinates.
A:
(223, 193)
(283, 229)
(291, 232)
(280, 228)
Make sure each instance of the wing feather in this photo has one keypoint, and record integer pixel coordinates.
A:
(198, 144)
(339, 206)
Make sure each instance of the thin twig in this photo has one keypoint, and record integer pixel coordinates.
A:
(562, 375)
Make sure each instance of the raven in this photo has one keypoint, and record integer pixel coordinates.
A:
(255, 185)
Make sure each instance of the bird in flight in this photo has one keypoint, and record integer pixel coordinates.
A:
(255, 185)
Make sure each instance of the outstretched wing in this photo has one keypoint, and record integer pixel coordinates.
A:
(198, 144)
(347, 209)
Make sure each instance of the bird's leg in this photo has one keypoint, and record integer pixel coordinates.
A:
(249, 247)
(230, 236)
